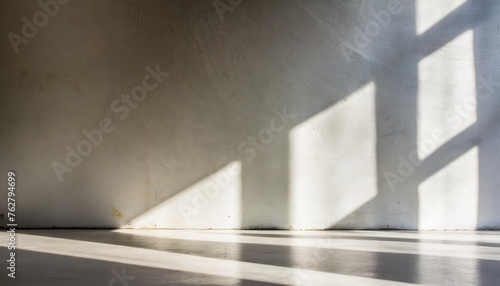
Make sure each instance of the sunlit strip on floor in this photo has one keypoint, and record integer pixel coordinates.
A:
(467, 251)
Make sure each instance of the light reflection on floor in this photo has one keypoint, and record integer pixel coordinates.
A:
(182, 257)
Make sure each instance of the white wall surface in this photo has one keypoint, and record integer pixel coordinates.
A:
(251, 114)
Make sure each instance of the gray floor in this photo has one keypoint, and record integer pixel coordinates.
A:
(167, 257)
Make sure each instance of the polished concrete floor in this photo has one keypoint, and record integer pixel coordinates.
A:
(168, 257)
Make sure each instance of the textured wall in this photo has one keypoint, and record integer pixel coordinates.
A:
(251, 114)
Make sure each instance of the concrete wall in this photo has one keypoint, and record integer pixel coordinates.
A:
(251, 114)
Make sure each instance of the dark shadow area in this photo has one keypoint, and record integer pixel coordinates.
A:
(486, 56)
